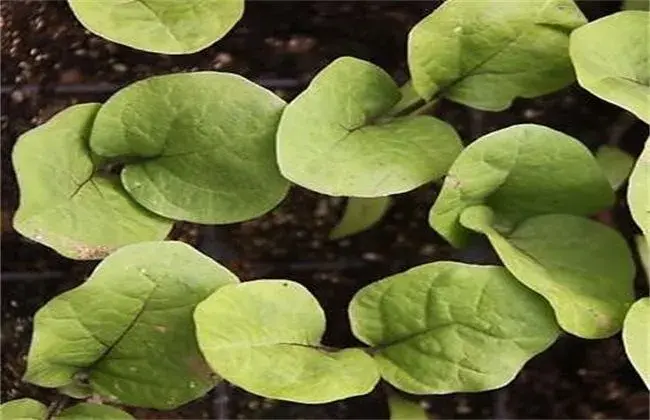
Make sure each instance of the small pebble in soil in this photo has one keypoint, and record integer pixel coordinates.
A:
(371, 256)
(120, 68)
(463, 407)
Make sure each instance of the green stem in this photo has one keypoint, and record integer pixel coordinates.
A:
(410, 100)
(411, 103)
(424, 108)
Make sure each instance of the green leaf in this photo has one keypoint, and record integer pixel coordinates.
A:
(583, 268)
(161, 26)
(65, 203)
(85, 411)
(636, 338)
(24, 409)
(520, 171)
(332, 138)
(451, 327)
(360, 214)
(402, 409)
(264, 336)
(198, 147)
(638, 191)
(128, 329)
(616, 164)
(612, 60)
(484, 54)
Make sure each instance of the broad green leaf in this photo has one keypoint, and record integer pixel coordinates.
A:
(87, 411)
(644, 254)
(332, 138)
(402, 409)
(451, 327)
(198, 147)
(24, 408)
(616, 164)
(360, 214)
(638, 191)
(65, 203)
(161, 26)
(484, 54)
(520, 171)
(636, 337)
(128, 329)
(264, 336)
(611, 57)
(583, 268)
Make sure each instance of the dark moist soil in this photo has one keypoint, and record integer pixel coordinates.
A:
(43, 46)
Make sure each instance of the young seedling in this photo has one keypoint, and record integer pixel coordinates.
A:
(71, 206)
(337, 137)
(160, 26)
(197, 147)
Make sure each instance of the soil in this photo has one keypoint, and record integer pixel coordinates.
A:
(43, 46)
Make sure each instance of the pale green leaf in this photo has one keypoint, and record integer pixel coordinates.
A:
(583, 268)
(264, 336)
(402, 409)
(616, 164)
(332, 138)
(520, 171)
(611, 57)
(65, 203)
(450, 327)
(87, 411)
(360, 214)
(198, 147)
(24, 409)
(128, 329)
(484, 54)
(636, 337)
(161, 26)
(638, 191)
